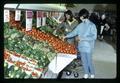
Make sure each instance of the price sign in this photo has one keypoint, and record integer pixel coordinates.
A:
(39, 15)
(44, 19)
(29, 15)
(6, 15)
(17, 15)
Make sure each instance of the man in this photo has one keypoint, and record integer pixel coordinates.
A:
(87, 34)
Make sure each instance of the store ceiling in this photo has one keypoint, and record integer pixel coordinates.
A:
(47, 7)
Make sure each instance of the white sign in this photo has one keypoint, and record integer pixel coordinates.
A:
(6, 15)
(38, 22)
(39, 15)
(17, 15)
(29, 15)
(43, 21)
(14, 58)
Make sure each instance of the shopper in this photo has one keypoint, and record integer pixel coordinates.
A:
(68, 25)
(103, 26)
(87, 34)
(94, 17)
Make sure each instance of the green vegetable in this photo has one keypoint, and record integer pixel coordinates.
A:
(27, 46)
(6, 72)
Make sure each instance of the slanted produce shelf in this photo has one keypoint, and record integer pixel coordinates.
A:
(14, 62)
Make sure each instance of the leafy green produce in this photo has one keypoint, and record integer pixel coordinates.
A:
(27, 46)
(46, 29)
(50, 21)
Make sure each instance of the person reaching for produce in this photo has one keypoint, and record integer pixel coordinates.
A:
(87, 34)
(67, 25)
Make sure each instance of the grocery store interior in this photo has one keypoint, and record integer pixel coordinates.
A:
(33, 48)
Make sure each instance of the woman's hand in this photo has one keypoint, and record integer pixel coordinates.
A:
(64, 38)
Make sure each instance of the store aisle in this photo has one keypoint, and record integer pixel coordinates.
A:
(104, 59)
(104, 52)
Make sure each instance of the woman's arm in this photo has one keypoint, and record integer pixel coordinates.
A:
(73, 33)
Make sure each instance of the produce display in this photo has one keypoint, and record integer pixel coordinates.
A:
(58, 45)
(28, 53)
(49, 27)
(25, 45)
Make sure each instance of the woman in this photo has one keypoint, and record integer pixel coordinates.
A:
(67, 25)
(87, 34)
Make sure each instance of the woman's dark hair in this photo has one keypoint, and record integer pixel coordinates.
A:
(69, 12)
(84, 13)
(94, 18)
